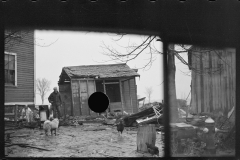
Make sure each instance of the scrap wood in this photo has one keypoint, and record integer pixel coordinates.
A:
(15, 128)
(25, 146)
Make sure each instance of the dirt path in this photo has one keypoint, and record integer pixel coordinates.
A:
(80, 141)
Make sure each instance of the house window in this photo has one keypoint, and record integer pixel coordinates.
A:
(10, 68)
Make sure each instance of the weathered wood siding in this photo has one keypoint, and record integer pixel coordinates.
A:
(130, 93)
(213, 80)
(65, 92)
(24, 91)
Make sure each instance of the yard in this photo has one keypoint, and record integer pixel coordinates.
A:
(87, 140)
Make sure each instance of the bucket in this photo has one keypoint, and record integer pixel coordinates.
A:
(43, 115)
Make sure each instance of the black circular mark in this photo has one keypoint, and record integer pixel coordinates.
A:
(98, 102)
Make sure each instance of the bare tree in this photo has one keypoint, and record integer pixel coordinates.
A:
(43, 86)
(149, 92)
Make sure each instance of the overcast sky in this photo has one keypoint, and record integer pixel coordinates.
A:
(57, 49)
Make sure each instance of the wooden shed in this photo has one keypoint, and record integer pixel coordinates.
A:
(117, 81)
(213, 85)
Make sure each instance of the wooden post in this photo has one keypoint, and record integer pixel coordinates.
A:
(146, 134)
(16, 114)
(120, 85)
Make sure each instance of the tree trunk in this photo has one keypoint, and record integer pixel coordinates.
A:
(173, 110)
(146, 134)
(42, 100)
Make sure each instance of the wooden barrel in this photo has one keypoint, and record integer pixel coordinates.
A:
(146, 134)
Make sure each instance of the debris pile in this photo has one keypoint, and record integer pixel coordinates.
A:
(79, 120)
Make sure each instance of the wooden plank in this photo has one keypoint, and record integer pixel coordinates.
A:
(198, 85)
(111, 82)
(227, 83)
(204, 87)
(193, 87)
(202, 83)
(80, 102)
(135, 102)
(222, 82)
(210, 85)
(214, 80)
(120, 85)
(232, 79)
(83, 89)
(88, 97)
(130, 95)
(16, 113)
(72, 99)
(124, 96)
(207, 83)
(91, 90)
(218, 81)
(234, 75)
(95, 89)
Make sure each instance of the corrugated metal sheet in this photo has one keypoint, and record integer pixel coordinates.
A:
(24, 92)
(213, 80)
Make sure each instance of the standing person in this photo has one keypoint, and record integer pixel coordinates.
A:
(56, 101)
(27, 114)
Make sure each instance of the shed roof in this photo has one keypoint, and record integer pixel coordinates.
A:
(102, 71)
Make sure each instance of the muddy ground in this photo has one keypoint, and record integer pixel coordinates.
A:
(79, 141)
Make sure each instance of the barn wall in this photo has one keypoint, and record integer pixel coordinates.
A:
(24, 91)
(214, 88)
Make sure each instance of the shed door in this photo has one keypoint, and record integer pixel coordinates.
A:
(84, 97)
(76, 96)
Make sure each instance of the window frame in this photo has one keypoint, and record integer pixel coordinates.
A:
(118, 86)
(15, 83)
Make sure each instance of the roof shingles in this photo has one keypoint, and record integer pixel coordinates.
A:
(103, 71)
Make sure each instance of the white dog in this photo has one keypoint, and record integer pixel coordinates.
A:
(50, 125)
